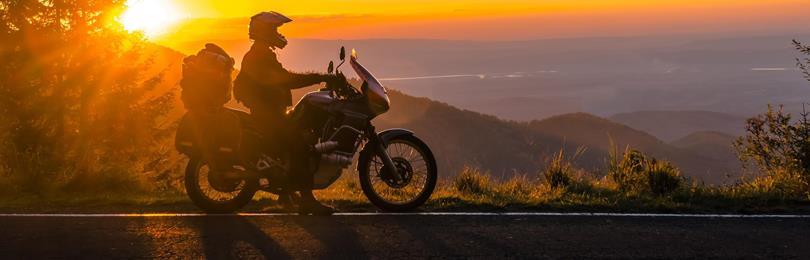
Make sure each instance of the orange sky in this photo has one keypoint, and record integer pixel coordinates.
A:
(491, 20)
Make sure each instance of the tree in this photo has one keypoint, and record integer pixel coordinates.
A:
(76, 102)
(803, 63)
(776, 143)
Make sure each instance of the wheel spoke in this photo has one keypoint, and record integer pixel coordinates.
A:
(407, 157)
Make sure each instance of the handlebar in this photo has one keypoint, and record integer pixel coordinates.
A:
(340, 86)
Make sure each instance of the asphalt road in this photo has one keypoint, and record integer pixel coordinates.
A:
(385, 236)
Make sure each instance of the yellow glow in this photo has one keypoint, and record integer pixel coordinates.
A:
(152, 17)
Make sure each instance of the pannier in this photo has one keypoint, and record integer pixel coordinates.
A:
(208, 129)
(206, 82)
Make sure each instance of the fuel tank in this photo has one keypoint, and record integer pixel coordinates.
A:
(312, 109)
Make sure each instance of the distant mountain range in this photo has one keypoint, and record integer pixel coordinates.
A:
(673, 125)
(461, 137)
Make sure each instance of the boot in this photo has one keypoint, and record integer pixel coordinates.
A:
(310, 206)
(286, 202)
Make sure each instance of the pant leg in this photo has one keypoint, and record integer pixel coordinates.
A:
(301, 174)
(283, 137)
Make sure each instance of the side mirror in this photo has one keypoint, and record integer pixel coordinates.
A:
(331, 67)
(342, 53)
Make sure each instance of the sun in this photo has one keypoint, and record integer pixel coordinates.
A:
(152, 17)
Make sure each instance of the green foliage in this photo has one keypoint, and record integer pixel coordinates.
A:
(779, 147)
(635, 172)
(78, 102)
(472, 181)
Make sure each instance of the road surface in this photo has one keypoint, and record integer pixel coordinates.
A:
(401, 236)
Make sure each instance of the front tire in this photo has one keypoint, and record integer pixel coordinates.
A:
(411, 156)
(211, 200)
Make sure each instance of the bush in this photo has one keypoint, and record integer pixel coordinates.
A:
(626, 170)
(663, 177)
(560, 172)
(779, 147)
(472, 181)
(636, 172)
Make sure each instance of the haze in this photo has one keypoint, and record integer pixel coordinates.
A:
(497, 20)
(528, 60)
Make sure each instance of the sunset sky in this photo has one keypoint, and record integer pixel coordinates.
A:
(186, 20)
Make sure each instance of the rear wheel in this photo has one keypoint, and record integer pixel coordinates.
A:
(215, 192)
(415, 167)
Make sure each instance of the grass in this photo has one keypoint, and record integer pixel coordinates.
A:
(520, 193)
(633, 183)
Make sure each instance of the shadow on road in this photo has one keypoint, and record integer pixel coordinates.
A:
(338, 238)
(236, 237)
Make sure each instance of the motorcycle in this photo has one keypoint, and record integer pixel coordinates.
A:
(228, 163)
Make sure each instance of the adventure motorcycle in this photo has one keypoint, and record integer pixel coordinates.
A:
(228, 163)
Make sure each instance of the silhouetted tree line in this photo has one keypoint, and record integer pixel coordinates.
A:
(77, 108)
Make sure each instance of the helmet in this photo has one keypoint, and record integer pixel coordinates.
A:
(264, 27)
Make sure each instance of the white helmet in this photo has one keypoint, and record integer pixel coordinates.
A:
(264, 27)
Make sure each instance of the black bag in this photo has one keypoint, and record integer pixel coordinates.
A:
(215, 136)
(206, 82)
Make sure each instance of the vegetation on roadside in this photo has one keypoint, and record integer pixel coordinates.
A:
(83, 104)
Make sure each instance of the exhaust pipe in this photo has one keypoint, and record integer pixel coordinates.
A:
(326, 147)
(337, 159)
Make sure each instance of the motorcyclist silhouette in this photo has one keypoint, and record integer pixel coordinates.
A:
(264, 86)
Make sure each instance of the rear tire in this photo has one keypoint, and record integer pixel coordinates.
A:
(210, 205)
(368, 172)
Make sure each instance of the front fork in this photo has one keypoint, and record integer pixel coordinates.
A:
(389, 170)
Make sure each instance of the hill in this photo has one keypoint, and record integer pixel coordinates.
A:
(461, 137)
(601, 136)
(708, 144)
(672, 125)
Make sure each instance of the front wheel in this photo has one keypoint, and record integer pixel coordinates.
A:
(415, 166)
(215, 192)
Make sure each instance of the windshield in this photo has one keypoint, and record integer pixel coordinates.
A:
(372, 88)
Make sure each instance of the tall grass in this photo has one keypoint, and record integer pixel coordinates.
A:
(634, 172)
(560, 171)
(472, 181)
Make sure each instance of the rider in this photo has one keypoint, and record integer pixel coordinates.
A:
(264, 86)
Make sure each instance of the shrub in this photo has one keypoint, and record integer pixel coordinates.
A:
(779, 147)
(627, 169)
(560, 172)
(636, 172)
(472, 181)
(663, 177)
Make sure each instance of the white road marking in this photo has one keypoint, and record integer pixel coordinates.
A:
(539, 214)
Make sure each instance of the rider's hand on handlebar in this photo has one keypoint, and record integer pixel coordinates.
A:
(336, 82)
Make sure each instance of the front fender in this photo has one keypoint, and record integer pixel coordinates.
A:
(389, 134)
